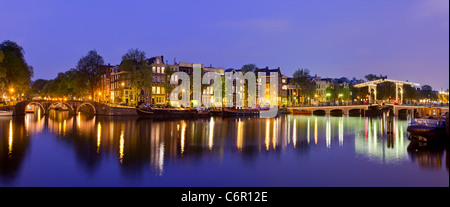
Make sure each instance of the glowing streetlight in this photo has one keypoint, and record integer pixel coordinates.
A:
(123, 83)
(11, 90)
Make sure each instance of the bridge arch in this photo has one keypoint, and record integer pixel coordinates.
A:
(337, 112)
(69, 106)
(87, 104)
(319, 112)
(44, 110)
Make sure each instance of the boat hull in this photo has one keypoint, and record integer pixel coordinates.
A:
(6, 113)
(426, 134)
(240, 112)
(166, 113)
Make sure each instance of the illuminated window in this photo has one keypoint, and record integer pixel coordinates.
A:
(158, 70)
(157, 90)
(162, 69)
(154, 69)
(153, 89)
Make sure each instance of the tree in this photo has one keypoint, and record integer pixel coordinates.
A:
(15, 73)
(409, 93)
(302, 82)
(135, 63)
(167, 86)
(37, 87)
(385, 91)
(427, 92)
(248, 68)
(88, 70)
(2, 70)
(332, 91)
(372, 77)
(345, 93)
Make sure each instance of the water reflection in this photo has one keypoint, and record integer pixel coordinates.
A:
(136, 143)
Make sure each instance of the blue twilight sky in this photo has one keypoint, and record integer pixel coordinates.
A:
(403, 39)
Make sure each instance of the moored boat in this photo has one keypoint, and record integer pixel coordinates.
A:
(203, 112)
(166, 112)
(6, 113)
(241, 112)
(427, 130)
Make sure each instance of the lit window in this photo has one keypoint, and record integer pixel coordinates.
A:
(162, 69)
(158, 70)
(154, 69)
(158, 90)
(153, 89)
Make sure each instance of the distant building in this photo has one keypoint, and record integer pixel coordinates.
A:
(321, 88)
(121, 92)
(281, 84)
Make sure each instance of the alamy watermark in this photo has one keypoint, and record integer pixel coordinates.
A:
(234, 93)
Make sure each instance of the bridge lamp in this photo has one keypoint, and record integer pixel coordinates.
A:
(123, 83)
(11, 90)
(90, 97)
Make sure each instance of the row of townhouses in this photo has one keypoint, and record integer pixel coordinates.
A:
(115, 87)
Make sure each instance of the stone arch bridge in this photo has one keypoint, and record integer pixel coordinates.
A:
(73, 107)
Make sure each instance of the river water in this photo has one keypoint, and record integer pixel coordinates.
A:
(290, 150)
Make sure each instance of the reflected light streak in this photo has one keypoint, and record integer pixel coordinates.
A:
(294, 133)
(79, 120)
(308, 132)
(267, 140)
(183, 131)
(315, 131)
(274, 138)
(161, 158)
(341, 131)
(121, 146)
(99, 134)
(365, 128)
(27, 121)
(375, 134)
(239, 134)
(64, 127)
(39, 114)
(10, 139)
(381, 126)
(211, 132)
(288, 130)
(328, 133)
